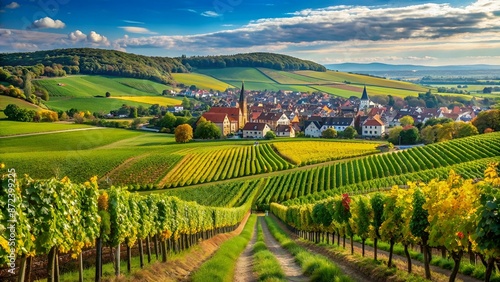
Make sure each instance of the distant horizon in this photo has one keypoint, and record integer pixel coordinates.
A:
(420, 32)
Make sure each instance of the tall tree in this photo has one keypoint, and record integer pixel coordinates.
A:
(362, 218)
(487, 119)
(183, 133)
(377, 203)
(406, 120)
(418, 225)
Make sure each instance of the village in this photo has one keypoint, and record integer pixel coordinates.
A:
(252, 114)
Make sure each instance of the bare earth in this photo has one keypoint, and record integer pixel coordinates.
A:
(244, 265)
(292, 270)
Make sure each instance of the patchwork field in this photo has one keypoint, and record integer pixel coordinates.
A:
(6, 100)
(201, 81)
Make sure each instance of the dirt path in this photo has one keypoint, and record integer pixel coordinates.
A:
(244, 265)
(292, 270)
(348, 269)
(50, 132)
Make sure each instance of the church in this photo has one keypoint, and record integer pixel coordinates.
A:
(238, 116)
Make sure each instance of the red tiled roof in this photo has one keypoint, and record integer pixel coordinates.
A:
(214, 117)
(232, 112)
(374, 121)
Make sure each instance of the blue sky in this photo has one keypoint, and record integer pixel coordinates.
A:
(398, 32)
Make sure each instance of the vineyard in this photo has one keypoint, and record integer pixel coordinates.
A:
(304, 153)
(83, 216)
(214, 165)
(231, 194)
(454, 214)
(383, 167)
(149, 168)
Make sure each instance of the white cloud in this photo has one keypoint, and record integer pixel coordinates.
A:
(77, 35)
(210, 14)
(135, 29)
(133, 22)
(13, 5)
(47, 23)
(97, 39)
(5, 32)
(25, 46)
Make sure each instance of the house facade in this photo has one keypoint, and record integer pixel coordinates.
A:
(220, 120)
(337, 123)
(313, 129)
(373, 127)
(285, 131)
(255, 130)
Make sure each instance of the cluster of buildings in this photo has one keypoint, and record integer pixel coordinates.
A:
(287, 114)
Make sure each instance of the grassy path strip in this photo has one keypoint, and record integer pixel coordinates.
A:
(51, 132)
(318, 267)
(244, 265)
(222, 265)
(266, 265)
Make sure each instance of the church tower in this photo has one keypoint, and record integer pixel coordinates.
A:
(243, 107)
(365, 101)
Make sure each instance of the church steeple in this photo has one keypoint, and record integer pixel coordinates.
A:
(365, 95)
(243, 106)
(365, 101)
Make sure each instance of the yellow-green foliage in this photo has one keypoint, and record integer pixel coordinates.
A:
(306, 152)
(163, 101)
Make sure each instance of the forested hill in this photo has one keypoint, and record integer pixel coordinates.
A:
(97, 61)
(265, 60)
(60, 62)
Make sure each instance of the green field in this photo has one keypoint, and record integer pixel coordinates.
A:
(6, 100)
(91, 104)
(201, 81)
(333, 76)
(16, 127)
(94, 85)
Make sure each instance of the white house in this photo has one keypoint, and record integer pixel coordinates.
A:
(255, 130)
(313, 129)
(373, 127)
(337, 123)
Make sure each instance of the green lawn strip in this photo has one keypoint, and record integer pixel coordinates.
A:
(316, 266)
(17, 127)
(265, 265)
(466, 268)
(222, 265)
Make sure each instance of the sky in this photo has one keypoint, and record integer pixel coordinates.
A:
(432, 32)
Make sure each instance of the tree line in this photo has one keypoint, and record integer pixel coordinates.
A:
(264, 60)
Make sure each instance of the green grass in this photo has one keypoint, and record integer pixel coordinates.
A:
(283, 77)
(265, 264)
(6, 100)
(66, 141)
(318, 267)
(222, 265)
(201, 81)
(90, 104)
(92, 85)
(15, 127)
